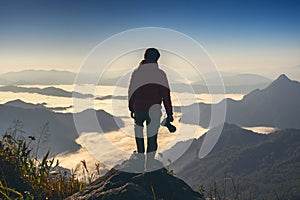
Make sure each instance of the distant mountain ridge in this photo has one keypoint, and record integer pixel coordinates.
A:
(22, 104)
(238, 79)
(278, 105)
(234, 83)
(261, 165)
(49, 91)
(62, 129)
(37, 77)
(51, 77)
(246, 79)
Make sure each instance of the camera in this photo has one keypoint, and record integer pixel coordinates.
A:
(166, 122)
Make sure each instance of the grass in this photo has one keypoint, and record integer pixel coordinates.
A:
(24, 176)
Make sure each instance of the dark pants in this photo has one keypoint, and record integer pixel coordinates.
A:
(152, 119)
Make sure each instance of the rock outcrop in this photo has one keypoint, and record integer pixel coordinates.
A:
(120, 185)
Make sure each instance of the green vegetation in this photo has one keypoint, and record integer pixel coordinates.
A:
(226, 190)
(24, 176)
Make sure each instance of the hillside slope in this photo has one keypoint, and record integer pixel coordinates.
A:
(262, 165)
(278, 105)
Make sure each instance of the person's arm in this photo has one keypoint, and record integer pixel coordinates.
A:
(165, 92)
(131, 98)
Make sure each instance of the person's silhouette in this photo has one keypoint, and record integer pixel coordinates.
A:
(148, 88)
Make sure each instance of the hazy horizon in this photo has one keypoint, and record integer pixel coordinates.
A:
(240, 37)
(293, 73)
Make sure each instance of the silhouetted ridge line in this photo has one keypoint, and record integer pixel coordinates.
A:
(278, 105)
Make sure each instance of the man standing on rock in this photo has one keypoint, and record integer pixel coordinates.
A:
(148, 88)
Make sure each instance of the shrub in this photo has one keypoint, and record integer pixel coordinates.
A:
(24, 176)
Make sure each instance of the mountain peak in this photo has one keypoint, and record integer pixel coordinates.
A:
(281, 80)
(22, 104)
(283, 77)
(15, 101)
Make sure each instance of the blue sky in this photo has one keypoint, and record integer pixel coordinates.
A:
(240, 36)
